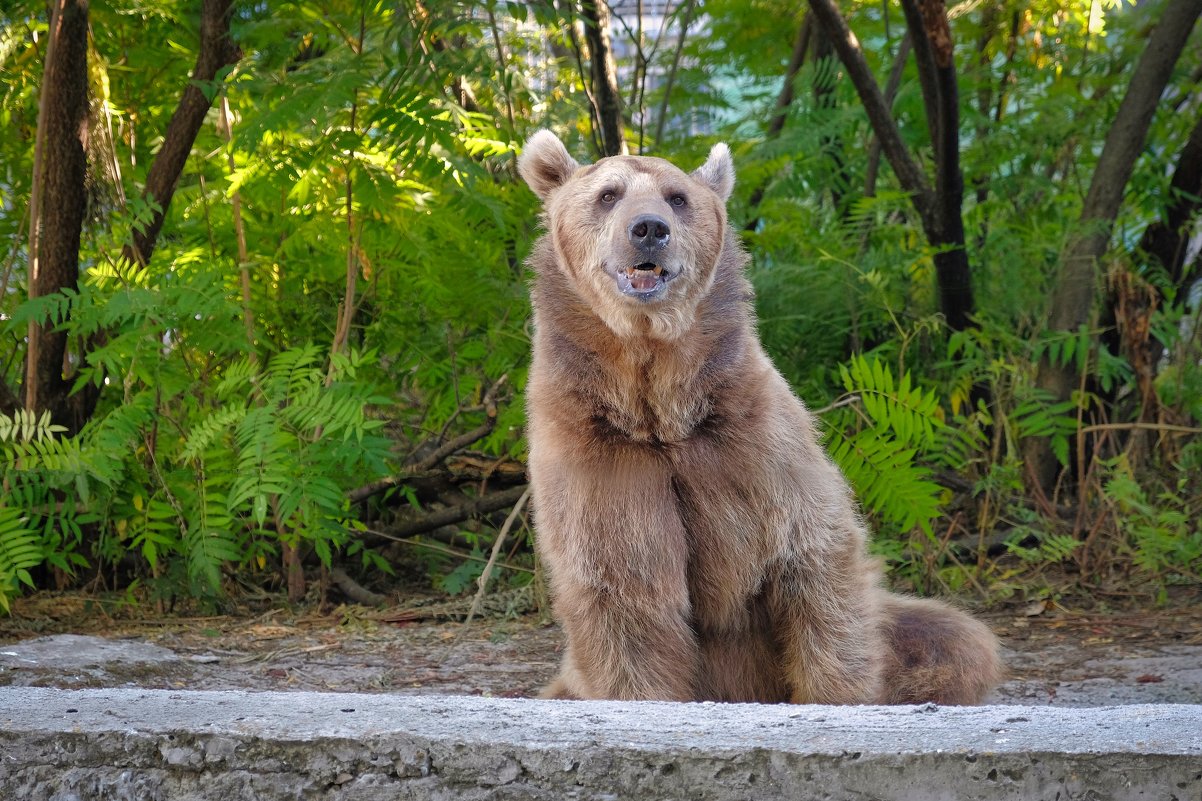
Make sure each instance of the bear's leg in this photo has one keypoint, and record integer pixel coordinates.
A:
(741, 667)
(828, 623)
(937, 653)
(616, 552)
(562, 686)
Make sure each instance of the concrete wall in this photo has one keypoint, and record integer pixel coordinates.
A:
(152, 745)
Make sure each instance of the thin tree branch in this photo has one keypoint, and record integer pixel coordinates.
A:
(455, 514)
(593, 108)
(801, 45)
(891, 89)
(217, 51)
(662, 117)
(486, 574)
(501, 64)
(909, 173)
(435, 457)
(596, 16)
(248, 319)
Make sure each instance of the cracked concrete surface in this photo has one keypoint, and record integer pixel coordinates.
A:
(153, 745)
(141, 731)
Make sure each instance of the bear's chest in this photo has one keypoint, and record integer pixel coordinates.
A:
(649, 398)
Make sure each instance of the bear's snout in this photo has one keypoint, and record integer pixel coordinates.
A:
(649, 233)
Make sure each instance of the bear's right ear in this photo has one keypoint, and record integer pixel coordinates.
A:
(545, 164)
(718, 172)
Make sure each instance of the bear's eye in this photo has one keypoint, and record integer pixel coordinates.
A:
(677, 200)
(608, 196)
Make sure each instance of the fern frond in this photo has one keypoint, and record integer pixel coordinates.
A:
(20, 550)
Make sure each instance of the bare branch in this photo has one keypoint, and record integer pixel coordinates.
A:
(908, 172)
(354, 590)
(891, 88)
(662, 119)
(801, 45)
(217, 50)
(248, 319)
(436, 456)
(455, 514)
(486, 574)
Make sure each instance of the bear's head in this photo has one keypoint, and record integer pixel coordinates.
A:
(638, 238)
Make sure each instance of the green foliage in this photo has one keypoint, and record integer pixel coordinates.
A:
(28, 448)
(1160, 535)
(893, 425)
(373, 147)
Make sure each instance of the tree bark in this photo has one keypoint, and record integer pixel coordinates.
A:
(1165, 240)
(1073, 295)
(217, 50)
(928, 26)
(604, 75)
(59, 190)
(58, 200)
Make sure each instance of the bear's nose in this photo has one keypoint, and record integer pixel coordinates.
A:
(649, 232)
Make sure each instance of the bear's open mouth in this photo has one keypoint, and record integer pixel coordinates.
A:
(643, 280)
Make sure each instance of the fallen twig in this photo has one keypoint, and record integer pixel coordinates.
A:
(354, 590)
(486, 574)
(454, 514)
(433, 546)
(435, 457)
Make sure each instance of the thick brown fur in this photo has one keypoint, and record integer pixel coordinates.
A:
(699, 542)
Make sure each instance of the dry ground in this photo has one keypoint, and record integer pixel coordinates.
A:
(1056, 656)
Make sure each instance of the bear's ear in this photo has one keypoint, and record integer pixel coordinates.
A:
(718, 172)
(545, 164)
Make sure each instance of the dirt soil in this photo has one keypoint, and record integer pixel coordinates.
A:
(1055, 656)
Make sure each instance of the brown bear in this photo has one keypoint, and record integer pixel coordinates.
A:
(699, 542)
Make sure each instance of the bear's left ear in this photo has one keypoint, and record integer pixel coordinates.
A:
(718, 172)
(545, 164)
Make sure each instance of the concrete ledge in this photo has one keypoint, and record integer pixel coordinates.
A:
(153, 745)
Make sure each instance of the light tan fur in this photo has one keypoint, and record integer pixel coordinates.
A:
(700, 543)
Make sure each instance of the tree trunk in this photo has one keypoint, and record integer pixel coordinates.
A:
(939, 208)
(58, 201)
(1073, 294)
(604, 74)
(58, 196)
(928, 27)
(217, 50)
(1164, 241)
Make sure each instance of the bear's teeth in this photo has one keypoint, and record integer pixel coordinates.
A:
(658, 270)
